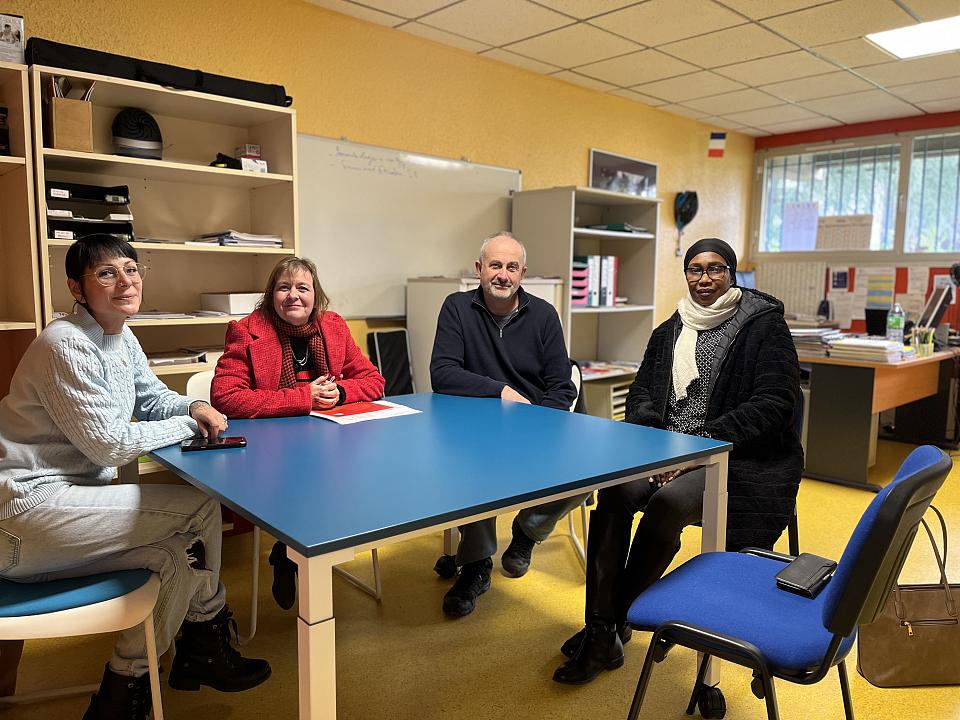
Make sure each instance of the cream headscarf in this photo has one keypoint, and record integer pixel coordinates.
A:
(698, 317)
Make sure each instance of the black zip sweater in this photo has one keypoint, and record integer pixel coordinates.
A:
(753, 396)
(473, 356)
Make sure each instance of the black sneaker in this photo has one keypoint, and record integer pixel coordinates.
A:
(473, 582)
(516, 558)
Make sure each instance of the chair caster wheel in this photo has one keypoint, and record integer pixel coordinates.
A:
(711, 703)
(756, 685)
(661, 650)
(446, 566)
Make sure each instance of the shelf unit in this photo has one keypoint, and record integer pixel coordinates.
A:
(554, 223)
(20, 315)
(607, 397)
(175, 200)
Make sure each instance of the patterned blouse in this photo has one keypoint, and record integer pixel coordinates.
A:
(688, 415)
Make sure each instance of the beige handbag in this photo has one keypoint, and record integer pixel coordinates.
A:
(916, 638)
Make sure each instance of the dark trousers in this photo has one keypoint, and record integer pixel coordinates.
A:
(618, 571)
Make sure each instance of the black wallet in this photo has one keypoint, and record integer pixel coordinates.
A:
(806, 575)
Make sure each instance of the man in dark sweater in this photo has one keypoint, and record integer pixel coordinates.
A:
(498, 341)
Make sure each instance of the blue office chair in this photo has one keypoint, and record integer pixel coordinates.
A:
(87, 605)
(727, 605)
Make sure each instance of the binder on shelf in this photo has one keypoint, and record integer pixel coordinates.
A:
(593, 294)
(79, 192)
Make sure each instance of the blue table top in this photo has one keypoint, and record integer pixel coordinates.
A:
(320, 487)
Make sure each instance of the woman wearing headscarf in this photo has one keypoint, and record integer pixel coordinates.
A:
(722, 366)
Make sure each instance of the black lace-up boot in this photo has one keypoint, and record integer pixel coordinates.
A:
(120, 697)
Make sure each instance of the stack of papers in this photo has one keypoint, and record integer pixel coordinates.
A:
(233, 237)
(177, 357)
(814, 341)
(596, 369)
(866, 349)
(360, 411)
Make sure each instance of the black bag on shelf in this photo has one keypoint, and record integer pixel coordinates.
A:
(71, 57)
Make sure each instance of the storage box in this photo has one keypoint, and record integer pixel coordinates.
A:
(71, 124)
(253, 165)
(248, 150)
(230, 303)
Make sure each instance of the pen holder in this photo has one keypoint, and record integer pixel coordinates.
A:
(924, 349)
(71, 124)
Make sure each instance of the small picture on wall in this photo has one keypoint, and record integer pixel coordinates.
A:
(619, 173)
(11, 38)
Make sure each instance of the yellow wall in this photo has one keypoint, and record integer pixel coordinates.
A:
(385, 87)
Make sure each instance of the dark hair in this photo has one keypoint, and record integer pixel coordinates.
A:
(290, 266)
(93, 249)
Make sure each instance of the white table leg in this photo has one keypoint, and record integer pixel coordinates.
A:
(714, 537)
(316, 636)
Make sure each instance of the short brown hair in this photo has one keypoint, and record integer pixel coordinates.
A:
(290, 266)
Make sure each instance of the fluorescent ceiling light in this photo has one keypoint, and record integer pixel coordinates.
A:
(927, 38)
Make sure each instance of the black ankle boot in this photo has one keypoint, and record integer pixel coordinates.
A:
(120, 697)
(284, 576)
(601, 650)
(205, 657)
(516, 558)
(570, 647)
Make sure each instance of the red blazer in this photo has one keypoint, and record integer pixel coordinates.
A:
(246, 383)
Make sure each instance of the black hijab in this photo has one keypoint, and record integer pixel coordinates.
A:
(714, 245)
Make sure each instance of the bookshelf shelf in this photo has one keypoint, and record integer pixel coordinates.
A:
(9, 163)
(614, 309)
(182, 369)
(168, 322)
(17, 325)
(181, 247)
(596, 233)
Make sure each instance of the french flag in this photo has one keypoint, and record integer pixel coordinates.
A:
(718, 141)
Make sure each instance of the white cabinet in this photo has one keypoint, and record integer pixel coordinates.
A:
(426, 295)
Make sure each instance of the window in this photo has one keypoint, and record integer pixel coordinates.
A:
(855, 181)
(933, 208)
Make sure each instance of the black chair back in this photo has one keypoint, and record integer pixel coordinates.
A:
(389, 350)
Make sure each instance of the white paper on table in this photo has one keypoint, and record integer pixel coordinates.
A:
(918, 278)
(912, 304)
(359, 412)
(842, 303)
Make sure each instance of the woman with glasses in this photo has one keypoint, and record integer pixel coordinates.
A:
(65, 427)
(291, 356)
(723, 366)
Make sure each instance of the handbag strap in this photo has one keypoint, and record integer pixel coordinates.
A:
(941, 563)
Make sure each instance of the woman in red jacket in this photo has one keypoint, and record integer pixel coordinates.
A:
(289, 357)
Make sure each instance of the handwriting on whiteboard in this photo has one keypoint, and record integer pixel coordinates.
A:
(363, 162)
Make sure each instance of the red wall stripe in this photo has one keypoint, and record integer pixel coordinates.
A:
(858, 130)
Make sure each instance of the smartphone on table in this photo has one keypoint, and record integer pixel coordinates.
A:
(222, 443)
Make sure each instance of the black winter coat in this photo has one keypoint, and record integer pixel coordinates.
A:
(753, 399)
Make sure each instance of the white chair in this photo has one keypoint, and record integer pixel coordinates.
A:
(198, 386)
(88, 605)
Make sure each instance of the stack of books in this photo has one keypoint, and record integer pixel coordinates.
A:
(814, 341)
(593, 281)
(596, 369)
(239, 239)
(867, 349)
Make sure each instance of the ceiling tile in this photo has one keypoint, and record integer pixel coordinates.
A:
(758, 9)
(684, 111)
(636, 68)
(582, 81)
(841, 20)
(739, 101)
(575, 45)
(928, 10)
(766, 116)
(926, 91)
(408, 8)
(939, 106)
(687, 87)
(818, 86)
(441, 36)
(800, 125)
(583, 9)
(722, 123)
(520, 61)
(853, 53)
(725, 47)
(755, 132)
(658, 21)
(916, 70)
(861, 107)
(639, 97)
(777, 68)
(359, 11)
(496, 22)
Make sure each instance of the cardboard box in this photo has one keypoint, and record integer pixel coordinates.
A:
(248, 150)
(71, 124)
(253, 165)
(230, 303)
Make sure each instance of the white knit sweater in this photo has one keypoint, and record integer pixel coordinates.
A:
(67, 417)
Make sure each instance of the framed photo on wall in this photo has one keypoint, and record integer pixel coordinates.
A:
(619, 173)
(11, 38)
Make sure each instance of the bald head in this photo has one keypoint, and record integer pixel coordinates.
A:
(510, 241)
(501, 267)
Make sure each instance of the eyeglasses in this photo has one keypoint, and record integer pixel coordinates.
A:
(109, 274)
(714, 272)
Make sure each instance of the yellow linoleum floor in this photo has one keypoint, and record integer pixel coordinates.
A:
(402, 658)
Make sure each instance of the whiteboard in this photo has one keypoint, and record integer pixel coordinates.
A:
(371, 217)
